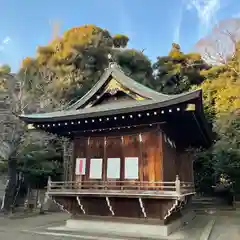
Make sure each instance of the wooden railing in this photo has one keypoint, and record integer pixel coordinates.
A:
(122, 187)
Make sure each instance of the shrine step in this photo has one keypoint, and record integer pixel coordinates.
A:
(211, 206)
(209, 202)
(216, 212)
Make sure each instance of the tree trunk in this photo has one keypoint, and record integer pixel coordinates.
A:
(11, 188)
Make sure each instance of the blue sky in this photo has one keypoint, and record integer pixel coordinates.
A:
(150, 24)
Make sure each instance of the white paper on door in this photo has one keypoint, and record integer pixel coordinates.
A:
(131, 168)
(96, 168)
(113, 168)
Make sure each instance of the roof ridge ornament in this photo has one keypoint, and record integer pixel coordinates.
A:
(112, 63)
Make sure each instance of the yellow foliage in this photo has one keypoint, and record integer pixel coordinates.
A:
(78, 32)
(214, 71)
(175, 54)
(80, 36)
(222, 95)
(44, 54)
(221, 89)
(63, 48)
(193, 56)
(45, 50)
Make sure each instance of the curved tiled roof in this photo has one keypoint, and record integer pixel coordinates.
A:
(111, 108)
(152, 100)
(127, 82)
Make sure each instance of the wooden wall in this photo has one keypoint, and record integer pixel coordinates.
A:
(170, 159)
(145, 145)
(159, 158)
(176, 162)
(185, 166)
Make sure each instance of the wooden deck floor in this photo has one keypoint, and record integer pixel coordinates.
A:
(116, 193)
(121, 189)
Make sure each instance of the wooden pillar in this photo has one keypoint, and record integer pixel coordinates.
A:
(141, 159)
(104, 164)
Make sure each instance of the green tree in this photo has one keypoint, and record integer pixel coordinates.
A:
(226, 150)
(14, 132)
(135, 64)
(177, 72)
(39, 157)
(120, 41)
(204, 174)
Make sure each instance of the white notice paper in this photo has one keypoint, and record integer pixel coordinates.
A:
(96, 168)
(113, 168)
(80, 166)
(131, 168)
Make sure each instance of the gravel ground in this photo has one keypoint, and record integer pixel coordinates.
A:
(28, 236)
(22, 229)
(15, 229)
(226, 228)
(12, 229)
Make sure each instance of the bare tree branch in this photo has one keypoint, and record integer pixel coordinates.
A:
(221, 45)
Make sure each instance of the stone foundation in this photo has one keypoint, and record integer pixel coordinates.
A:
(149, 230)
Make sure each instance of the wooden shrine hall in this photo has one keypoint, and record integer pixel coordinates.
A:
(128, 150)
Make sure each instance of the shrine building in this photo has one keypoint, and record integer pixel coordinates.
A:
(127, 154)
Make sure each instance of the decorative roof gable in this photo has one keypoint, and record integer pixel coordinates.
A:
(112, 81)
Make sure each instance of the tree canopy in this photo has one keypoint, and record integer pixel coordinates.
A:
(177, 72)
(69, 65)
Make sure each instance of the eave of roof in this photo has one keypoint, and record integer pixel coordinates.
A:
(111, 108)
